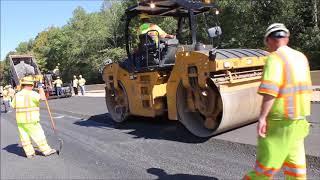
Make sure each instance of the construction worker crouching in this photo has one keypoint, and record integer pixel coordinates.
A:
(82, 82)
(26, 102)
(58, 83)
(75, 84)
(282, 125)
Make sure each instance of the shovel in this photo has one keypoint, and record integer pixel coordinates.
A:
(54, 129)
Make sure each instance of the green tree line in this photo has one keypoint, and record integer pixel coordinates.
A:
(83, 44)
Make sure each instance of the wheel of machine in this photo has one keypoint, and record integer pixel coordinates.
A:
(117, 103)
(202, 123)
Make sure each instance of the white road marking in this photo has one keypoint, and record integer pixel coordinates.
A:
(58, 117)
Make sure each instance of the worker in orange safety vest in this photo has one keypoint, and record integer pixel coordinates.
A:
(26, 102)
(282, 125)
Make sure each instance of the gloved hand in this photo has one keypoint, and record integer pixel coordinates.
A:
(40, 85)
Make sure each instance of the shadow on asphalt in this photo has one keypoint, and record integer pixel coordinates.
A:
(163, 175)
(148, 128)
(15, 149)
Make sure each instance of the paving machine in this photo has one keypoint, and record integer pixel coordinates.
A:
(24, 65)
(209, 90)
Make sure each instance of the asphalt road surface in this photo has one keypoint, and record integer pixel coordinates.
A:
(97, 148)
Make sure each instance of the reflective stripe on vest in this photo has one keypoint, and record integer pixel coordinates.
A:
(26, 109)
(289, 90)
(27, 104)
(285, 91)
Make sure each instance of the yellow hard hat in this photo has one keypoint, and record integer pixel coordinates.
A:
(144, 16)
(28, 80)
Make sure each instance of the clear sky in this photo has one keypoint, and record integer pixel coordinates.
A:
(22, 20)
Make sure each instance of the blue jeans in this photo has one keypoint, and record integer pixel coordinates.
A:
(59, 91)
(82, 89)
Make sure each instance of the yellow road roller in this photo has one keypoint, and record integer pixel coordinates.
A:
(187, 78)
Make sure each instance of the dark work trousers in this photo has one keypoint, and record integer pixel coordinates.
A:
(75, 89)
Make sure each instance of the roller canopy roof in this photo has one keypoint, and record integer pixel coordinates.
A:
(175, 8)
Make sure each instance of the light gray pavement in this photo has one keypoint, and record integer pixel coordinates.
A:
(245, 135)
(97, 148)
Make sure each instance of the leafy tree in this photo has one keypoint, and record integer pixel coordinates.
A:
(25, 47)
(88, 39)
(5, 69)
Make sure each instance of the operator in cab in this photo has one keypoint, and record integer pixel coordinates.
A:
(156, 33)
(148, 26)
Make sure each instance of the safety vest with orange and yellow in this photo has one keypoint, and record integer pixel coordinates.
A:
(153, 30)
(286, 76)
(27, 108)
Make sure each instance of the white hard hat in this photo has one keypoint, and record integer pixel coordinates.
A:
(277, 27)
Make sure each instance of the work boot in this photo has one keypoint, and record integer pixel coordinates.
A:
(50, 152)
(30, 156)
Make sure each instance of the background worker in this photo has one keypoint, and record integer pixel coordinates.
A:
(75, 84)
(282, 126)
(26, 102)
(12, 92)
(6, 99)
(82, 82)
(58, 83)
(56, 70)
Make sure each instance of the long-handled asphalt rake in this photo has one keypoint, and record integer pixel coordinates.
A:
(54, 128)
